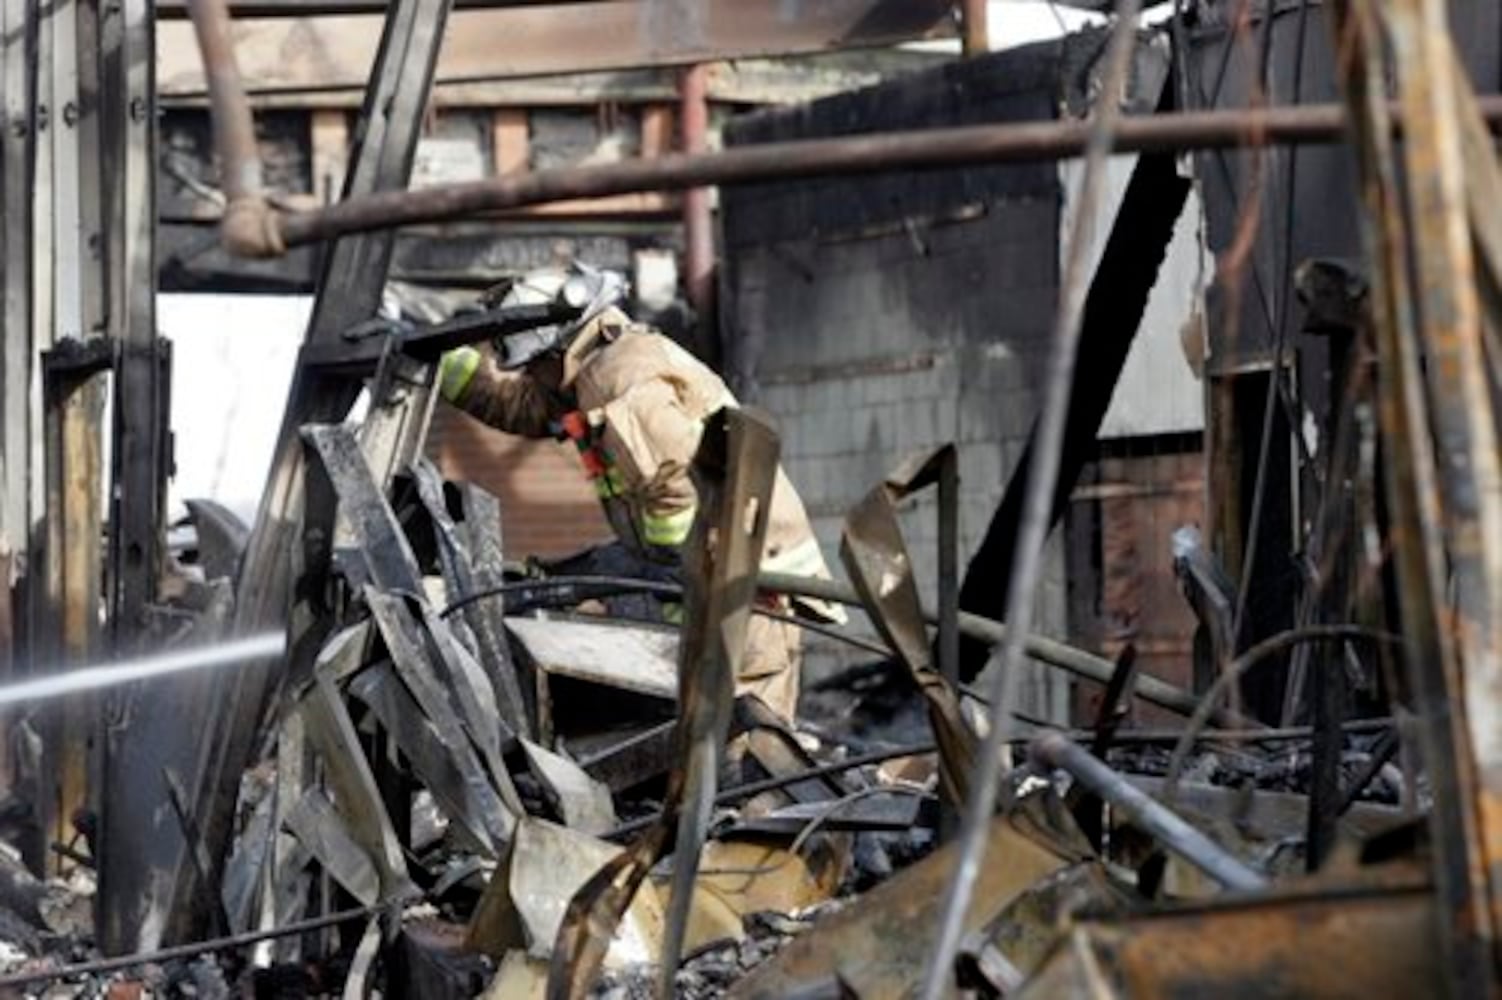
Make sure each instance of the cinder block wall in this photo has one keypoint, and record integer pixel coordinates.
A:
(876, 317)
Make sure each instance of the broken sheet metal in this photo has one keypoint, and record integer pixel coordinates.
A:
(520, 977)
(357, 984)
(733, 472)
(740, 878)
(481, 534)
(876, 557)
(437, 695)
(1022, 935)
(623, 657)
(583, 803)
(1321, 940)
(895, 812)
(244, 871)
(471, 690)
(318, 826)
(876, 948)
(627, 657)
(483, 623)
(464, 792)
(369, 544)
(545, 865)
(332, 735)
(221, 538)
(474, 697)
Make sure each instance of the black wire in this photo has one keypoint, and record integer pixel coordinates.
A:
(607, 585)
(590, 587)
(1280, 332)
(1220, 157)
(185, 950)
(751, 788)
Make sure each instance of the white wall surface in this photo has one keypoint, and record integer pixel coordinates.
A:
(232, 363)
(1158, 393)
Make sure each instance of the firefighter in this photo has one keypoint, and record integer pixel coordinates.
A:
(633, 404)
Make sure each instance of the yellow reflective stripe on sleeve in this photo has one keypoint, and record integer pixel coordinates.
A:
(456, 371)
(667, 529)
(803, 559)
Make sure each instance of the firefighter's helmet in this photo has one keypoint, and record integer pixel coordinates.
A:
(589, 290)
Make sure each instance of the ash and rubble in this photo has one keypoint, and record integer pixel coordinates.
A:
(490, 835)
(483, 863)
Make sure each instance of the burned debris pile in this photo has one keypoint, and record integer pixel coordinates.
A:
(476, 782)
(454, 775)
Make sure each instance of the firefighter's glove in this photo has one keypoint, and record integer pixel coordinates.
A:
(456, 371)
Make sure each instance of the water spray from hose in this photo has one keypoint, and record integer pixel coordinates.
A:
(245, 650)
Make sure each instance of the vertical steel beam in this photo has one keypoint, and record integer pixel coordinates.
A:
(125, 131)
(63, 129)
(17, 151)
(61, 776)
(1464, 428)
(1427, 326)
(18, 69)
(138, 498)
(43, 177)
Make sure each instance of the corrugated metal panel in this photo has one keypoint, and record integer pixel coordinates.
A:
(547, 506)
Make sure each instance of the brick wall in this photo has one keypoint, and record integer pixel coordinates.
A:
(547, 506)
(1123, 516)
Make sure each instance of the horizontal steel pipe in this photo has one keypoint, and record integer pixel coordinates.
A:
(1041, 648)
(1057, 751)
(920, 149)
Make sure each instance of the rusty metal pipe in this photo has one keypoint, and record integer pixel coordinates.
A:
(1056, 751)
(249, 227)
(698, 219)
(1041, 648)
(918, 149)
(16, 980)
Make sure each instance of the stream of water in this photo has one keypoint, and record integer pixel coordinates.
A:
(102, 675)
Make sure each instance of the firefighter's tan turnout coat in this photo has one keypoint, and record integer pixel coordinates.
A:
(636, 403)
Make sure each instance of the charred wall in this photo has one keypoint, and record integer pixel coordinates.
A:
(1308, 208)
(879, 316)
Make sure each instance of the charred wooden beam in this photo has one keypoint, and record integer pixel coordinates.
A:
(282, 54)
